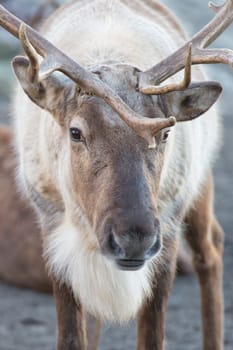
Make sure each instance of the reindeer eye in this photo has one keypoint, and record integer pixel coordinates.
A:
(76, 135)
(165, 136)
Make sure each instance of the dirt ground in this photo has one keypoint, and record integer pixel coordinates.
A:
(27, 319)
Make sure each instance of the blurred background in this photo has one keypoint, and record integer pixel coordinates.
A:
(28, 318)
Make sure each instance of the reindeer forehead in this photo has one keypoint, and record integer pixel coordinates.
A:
(118, 76)
(96, 114)
(122, 79)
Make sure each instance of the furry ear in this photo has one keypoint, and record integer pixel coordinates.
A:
(49, 93)
(192, 102)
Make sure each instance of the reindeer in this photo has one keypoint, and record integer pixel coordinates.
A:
(111, 176)
(20, 252)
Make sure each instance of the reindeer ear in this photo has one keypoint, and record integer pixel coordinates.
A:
(49, 93)
(192, 102)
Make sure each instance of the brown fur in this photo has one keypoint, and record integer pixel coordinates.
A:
(69, 311)
(20, 244)
(151, 320)
(205, 237)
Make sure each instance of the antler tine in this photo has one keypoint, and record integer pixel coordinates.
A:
(31, 53)
(215, 8)
(55, 59)
(37, 71)
(158, 90)
(200, 55)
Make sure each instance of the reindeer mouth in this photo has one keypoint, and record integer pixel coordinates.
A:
(129, 264)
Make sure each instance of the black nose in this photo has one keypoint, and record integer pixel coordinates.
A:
(133, 247)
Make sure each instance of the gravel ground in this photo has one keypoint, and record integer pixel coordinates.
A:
(28, 318)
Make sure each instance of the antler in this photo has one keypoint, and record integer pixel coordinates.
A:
(159, 90)
(56, 60)
(200, 55)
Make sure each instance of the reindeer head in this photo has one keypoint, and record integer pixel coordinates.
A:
(108, 118)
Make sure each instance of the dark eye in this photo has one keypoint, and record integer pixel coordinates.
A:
(76, 135)
(165, 136)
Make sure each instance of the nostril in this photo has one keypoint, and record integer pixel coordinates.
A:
(157, 226)
(113, 245)
(155, 248)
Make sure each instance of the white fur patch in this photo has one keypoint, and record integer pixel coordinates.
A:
(105, 291)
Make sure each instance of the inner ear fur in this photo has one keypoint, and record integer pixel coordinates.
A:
(49, 94)
(192, 102)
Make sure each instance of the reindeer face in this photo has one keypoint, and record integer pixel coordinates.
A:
(115, 175)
